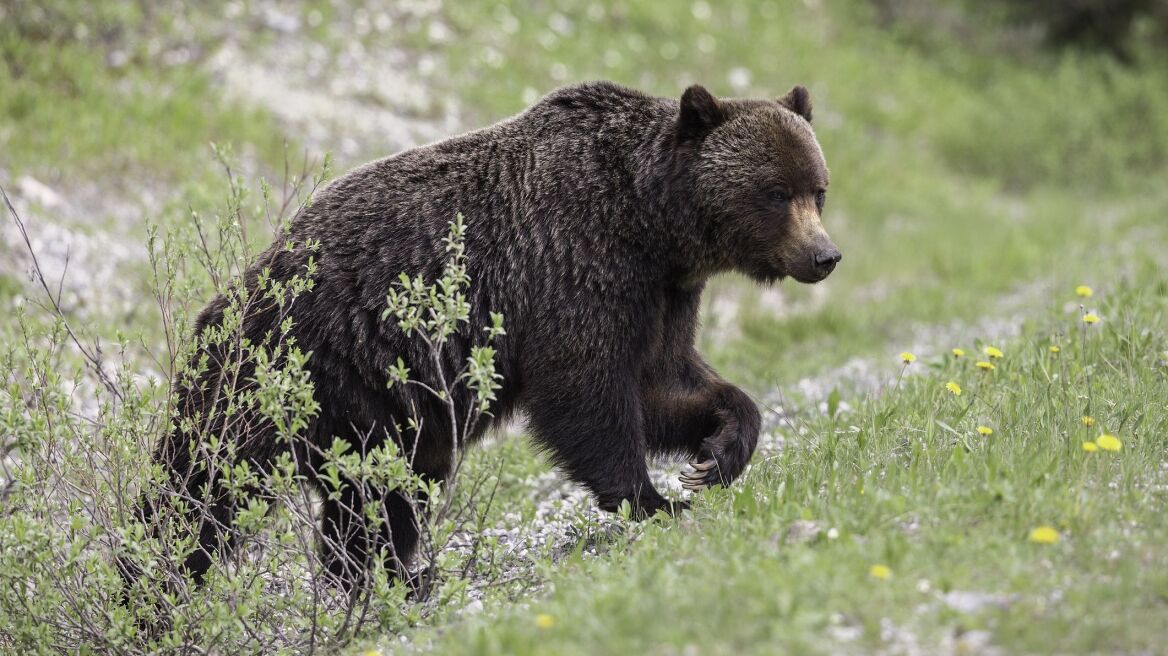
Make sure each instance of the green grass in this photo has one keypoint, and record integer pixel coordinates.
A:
(90, 97)
(907, 482)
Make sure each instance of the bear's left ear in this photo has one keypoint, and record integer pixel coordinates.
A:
(798, 100)
(700, 113)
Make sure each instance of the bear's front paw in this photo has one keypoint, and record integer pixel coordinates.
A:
(722, 459)
(721, 469)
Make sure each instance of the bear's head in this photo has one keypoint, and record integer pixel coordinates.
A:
(760, 182)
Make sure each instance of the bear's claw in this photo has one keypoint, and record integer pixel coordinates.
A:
(704, 466)
(700, 478)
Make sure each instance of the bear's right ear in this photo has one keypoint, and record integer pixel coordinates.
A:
(798, 100)
(700, 113)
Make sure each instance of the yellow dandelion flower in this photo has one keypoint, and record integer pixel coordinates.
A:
(882, 572)
(953, 388)
(1044, 535)
(1109, 442)
(1088, 420)
(1090, 318)
(908, 358)
(371, 652)
(1084, 291)
(985, 431)
(545, 621)
(992, 352)
(1054, 350)
(1090, 447)
(958, 353)
(987, 366)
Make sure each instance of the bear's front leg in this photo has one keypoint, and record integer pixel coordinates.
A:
(723, 455)
(594, 432)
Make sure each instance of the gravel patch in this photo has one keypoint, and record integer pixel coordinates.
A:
(81, 260)
(340, 86)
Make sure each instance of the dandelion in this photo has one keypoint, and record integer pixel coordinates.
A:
(986, 366)
(908, 358)
(985, 431)
(1090, 447)
(1090, 318)
(992, 352)
(1044, 535)
(545, 621)
(1054, 350)
(953, 388)
(371, 652)
(882, 572)
(1108, 442)
(1088, 421)
(958, 353)
(1084, 291)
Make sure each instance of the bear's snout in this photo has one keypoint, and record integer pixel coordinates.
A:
(817, 259)
(826, 259)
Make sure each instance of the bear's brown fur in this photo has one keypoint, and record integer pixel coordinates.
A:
(593, 220)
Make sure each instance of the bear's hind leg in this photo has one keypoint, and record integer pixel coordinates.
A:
(349, 544)
(214, 520)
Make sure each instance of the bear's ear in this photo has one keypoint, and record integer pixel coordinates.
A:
(798, 100)
(700, 113)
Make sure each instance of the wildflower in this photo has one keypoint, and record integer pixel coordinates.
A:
(1054, 350)
(1090, 447)
(953, 387)
(881, 572)
(908, 358)
(1109, 442)
(988, 366)
(1088, 420)
(992, 352)
(371, 652)
(545, 621)
(1044, 535)
(1090, 318)
(958, 353)
(1084, 291)
(985, 431)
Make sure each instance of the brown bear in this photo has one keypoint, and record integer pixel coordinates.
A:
(593, 221)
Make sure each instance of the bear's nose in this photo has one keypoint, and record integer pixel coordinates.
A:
(827, 259)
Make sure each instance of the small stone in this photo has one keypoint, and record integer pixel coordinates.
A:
(38, 192)
(804, 530)
(966, 601)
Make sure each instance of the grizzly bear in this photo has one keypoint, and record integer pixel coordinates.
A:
(593, 221)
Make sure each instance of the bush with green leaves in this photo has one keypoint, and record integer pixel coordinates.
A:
(81, 570)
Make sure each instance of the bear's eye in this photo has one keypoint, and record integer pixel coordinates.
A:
(820, 199)
(780, 198)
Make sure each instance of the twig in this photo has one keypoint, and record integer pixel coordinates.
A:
(94, 358)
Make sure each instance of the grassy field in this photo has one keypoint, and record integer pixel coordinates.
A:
(977, 181)
(917, 521)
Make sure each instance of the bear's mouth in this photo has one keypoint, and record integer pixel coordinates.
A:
(811, 279)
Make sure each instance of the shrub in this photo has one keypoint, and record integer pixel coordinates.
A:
(81, 571)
